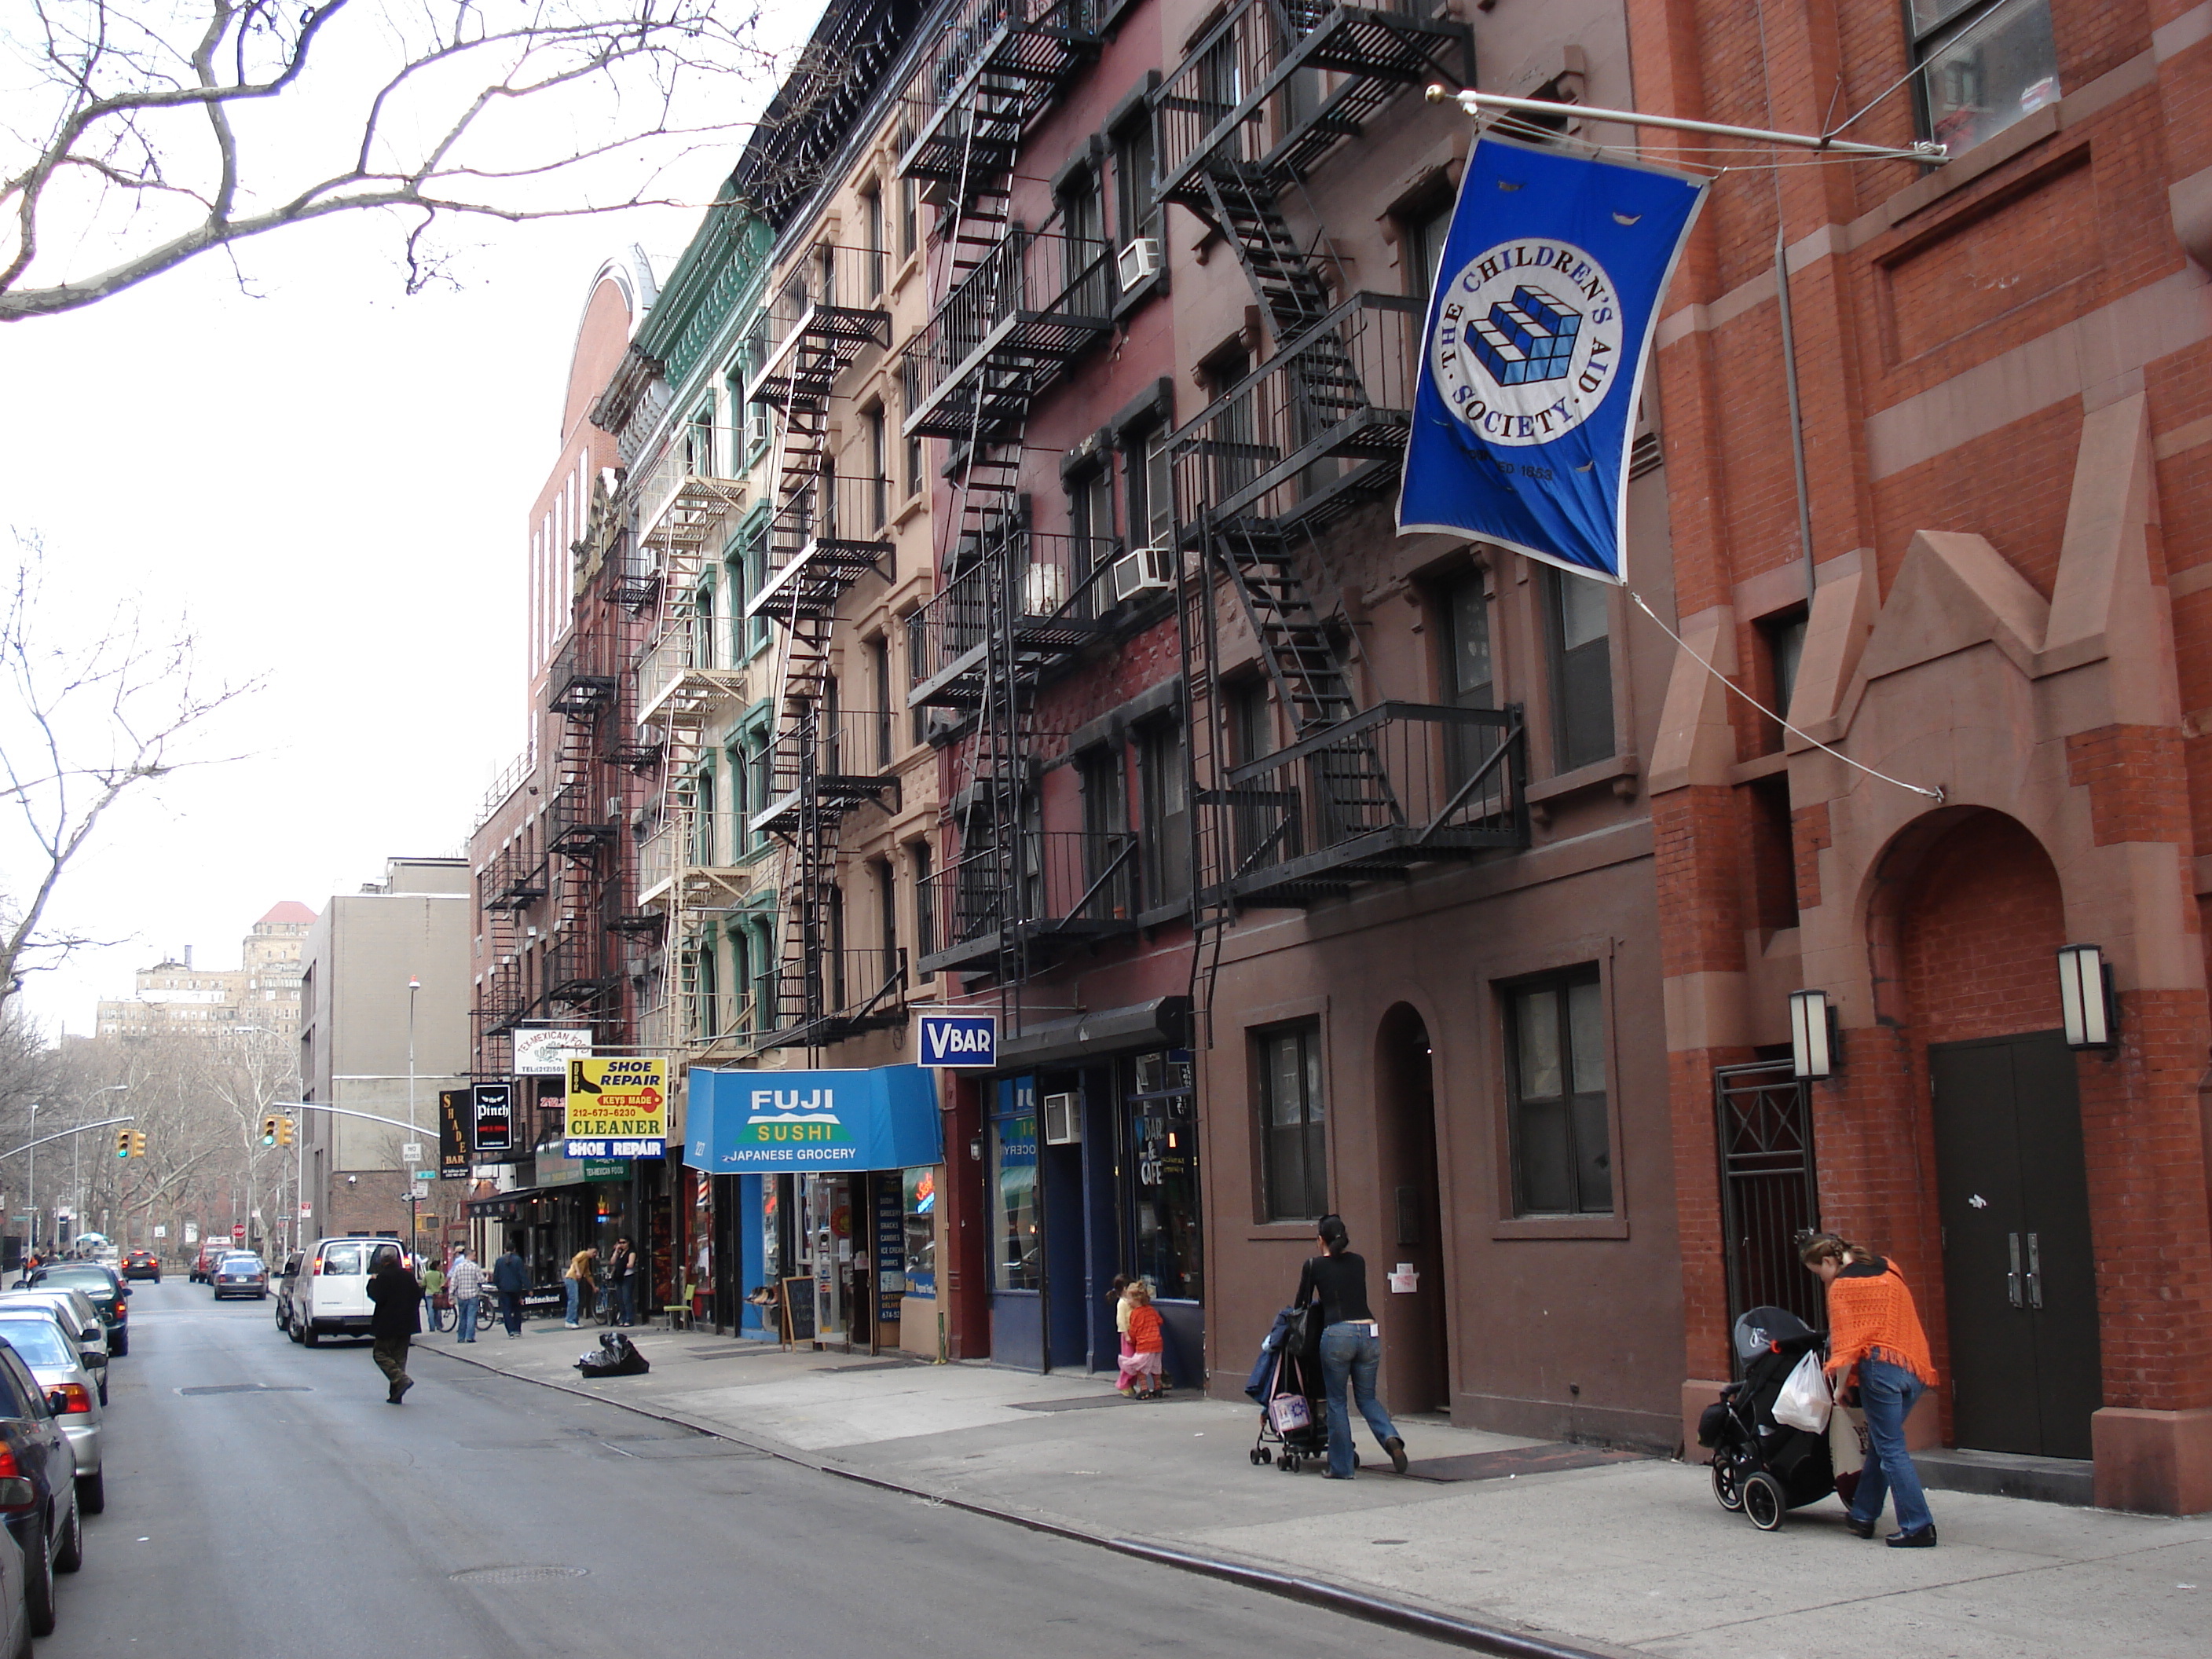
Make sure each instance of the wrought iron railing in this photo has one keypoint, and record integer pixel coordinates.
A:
(1029, 40)
(1044, 581)
(1075, 882)
(1034, 300)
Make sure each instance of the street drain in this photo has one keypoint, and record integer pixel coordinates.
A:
(248, 1388)
(514, 1575)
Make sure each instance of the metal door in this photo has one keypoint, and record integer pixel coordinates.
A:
(1768, 1196)
(2019, 1273)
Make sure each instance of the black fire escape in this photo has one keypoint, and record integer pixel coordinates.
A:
(1315, 431)
(583, 822)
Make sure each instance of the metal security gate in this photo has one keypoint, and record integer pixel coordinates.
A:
(1768, 1195)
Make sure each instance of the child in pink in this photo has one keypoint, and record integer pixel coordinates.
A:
(1140, 1367)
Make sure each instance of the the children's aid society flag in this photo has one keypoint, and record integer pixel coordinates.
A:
(1538, 330)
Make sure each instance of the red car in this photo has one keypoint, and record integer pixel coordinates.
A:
(143, 1264)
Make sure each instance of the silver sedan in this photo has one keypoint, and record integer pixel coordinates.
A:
(53, 1359)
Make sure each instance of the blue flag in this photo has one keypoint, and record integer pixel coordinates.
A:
(1534, 352)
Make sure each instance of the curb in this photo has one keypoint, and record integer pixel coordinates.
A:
(1364, 1605)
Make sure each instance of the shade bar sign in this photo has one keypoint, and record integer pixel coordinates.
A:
(950, 1040)
(617, 1107)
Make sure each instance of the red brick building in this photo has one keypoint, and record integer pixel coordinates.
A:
(2002, 370)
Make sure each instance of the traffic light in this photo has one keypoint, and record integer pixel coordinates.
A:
(283, 1131)
(138, 1144)
(268, 1130)
(123, 1142)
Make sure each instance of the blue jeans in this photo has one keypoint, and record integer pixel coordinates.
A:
(1888, 1395)
(625, 1300)
(430, 1314)
(576, 1289)
(464, 1318)
(1349, 1360)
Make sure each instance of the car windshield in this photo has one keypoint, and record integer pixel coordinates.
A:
(240, 1264)
(38, 1341)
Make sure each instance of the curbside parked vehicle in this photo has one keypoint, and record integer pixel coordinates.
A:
(284, 1280)
(109, 1294)
(212, 1251)
(330, 1295)
(38, 1488)
(53, 1359)
(76, 1314)
(239, 1273)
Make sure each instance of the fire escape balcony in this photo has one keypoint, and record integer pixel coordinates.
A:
(1320, 425)
(833, 763)
(503, 998)
(578, 823)
(1052, 591)
(681, 498)
(1367, 798)
(677, 683)
(572, 689)
(824, 538)
(856, 990)
(832, 309)
(680, 866)
(1035, 302)
(579, 967)
(1277, 84)
(1066, 889)
(994, 67)
(513, 880)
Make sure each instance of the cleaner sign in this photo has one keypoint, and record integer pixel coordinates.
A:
(617, 1107)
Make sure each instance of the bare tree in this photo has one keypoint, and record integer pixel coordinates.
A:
(141, 134)
(88, 717)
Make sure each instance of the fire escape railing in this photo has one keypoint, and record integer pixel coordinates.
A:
(1053, 591)
(993, 67)
(1070, 887)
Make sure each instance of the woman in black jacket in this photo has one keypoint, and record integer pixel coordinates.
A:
(1350, 1346)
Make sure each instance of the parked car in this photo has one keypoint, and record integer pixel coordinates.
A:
(282, 1281)
(239, 1273)
(212, 1250)
(15, 1612)
(78, 1316)
(143, 1264)
(54, 1360)
(108, 1292)
(38, 1488)
(331, 1296)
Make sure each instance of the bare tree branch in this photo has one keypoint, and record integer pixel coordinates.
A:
(137, 159)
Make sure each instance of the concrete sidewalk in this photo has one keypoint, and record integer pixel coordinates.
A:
(1606, 1551)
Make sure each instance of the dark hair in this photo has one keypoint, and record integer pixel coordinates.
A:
(1824, 1247)
(1334, 1234)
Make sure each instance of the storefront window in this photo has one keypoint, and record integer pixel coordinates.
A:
(1016, 1231)
(1163, 1199)
(920, 1187)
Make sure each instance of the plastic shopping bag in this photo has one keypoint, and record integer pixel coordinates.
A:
(1804, 1401)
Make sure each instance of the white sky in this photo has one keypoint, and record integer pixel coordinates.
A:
(331, 480)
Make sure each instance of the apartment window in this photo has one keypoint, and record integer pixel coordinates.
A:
(1149, 487)
(910, 218)
(1166, 781)
(733, 579)
(702, 625)
(1251, 723)
(707, 1016)
(760, 760)
(742, 805)
(1469, 677)
(881, 876)
(1106, 834)
(1090, 521)
(1980, 65)
(1136, 213)
(925, 897)
(1083, 219)
(1555, 1043)
(702, 815)
(1425, 228)
(871, 223)
(914, 464)
(1293, 1128)
(879, 675)
(741, 979)
(917, 666)
(879, 508)
(756, 557)
(755, 359)
(1782, 639)
(1582, 669)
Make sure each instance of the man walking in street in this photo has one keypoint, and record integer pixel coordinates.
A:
(510, 1278)
(621, 1278)
(465, 1281)
(397, 1316)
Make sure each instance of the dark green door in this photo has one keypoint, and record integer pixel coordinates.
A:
(2019, 1274)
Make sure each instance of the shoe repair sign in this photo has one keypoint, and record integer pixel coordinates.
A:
(617, 1107)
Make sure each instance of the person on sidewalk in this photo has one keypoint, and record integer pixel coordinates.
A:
(1350, 1346)
(511, 1278)
(1121, 1295)
(1143, 1365)
(396, 1317)
(467, 1283)
(581, 1283)
(1873, 1326)
(433, 1286)
(622, 1280)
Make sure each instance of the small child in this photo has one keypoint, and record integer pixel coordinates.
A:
(1121, 1327)
(1141, 1367)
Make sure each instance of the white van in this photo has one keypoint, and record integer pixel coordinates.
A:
(330, 1296)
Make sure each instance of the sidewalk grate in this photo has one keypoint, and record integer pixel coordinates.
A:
(1521, 1460)
(874, 1365)
(1088, 1402)
(513, 1574)
(248, 1388)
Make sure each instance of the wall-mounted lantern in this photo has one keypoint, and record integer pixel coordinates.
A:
(1814, 1044)
(2086, 1004)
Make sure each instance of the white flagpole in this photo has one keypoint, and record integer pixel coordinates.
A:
(1474, 103)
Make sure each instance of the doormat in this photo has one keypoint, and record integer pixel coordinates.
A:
(1521, 1460)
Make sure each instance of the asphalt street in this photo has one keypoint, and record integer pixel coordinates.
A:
(264, 1500)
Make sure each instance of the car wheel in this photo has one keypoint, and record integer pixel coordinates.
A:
(70, 1556)
(261, 1296)
(103, 1386)
(121, 1346)
(314, 1338)
(92, 1493)
(39, 1591)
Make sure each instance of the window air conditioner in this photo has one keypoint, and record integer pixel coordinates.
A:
(1063, 1119)
(1147, 570)
(1140, 261)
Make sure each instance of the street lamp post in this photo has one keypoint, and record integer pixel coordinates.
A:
(35, 1178)
(414, 1226)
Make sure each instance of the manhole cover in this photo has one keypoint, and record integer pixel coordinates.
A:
(514, 1575)
(248, 1388)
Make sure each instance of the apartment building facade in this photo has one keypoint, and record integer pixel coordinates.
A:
(262, 994)
(1971, 561)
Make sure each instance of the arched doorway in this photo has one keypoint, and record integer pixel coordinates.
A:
(1977, 922)
(1416, 1345)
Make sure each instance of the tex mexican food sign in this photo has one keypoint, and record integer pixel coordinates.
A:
(618, 1107)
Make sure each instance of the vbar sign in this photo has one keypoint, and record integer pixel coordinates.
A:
(956, 1040)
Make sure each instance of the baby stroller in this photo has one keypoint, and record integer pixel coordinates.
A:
(1761, 1468)
(1286, 1385)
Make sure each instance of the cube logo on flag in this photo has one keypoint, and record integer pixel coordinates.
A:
(1552, 275)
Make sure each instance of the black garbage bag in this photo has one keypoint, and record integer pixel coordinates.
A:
(617, 1357)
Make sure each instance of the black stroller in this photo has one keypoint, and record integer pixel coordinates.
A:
(1762, 1468)
(1286, 1385)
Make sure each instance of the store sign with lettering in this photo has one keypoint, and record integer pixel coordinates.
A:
(617, 1107)
(959, 1039)
(883, 1117)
